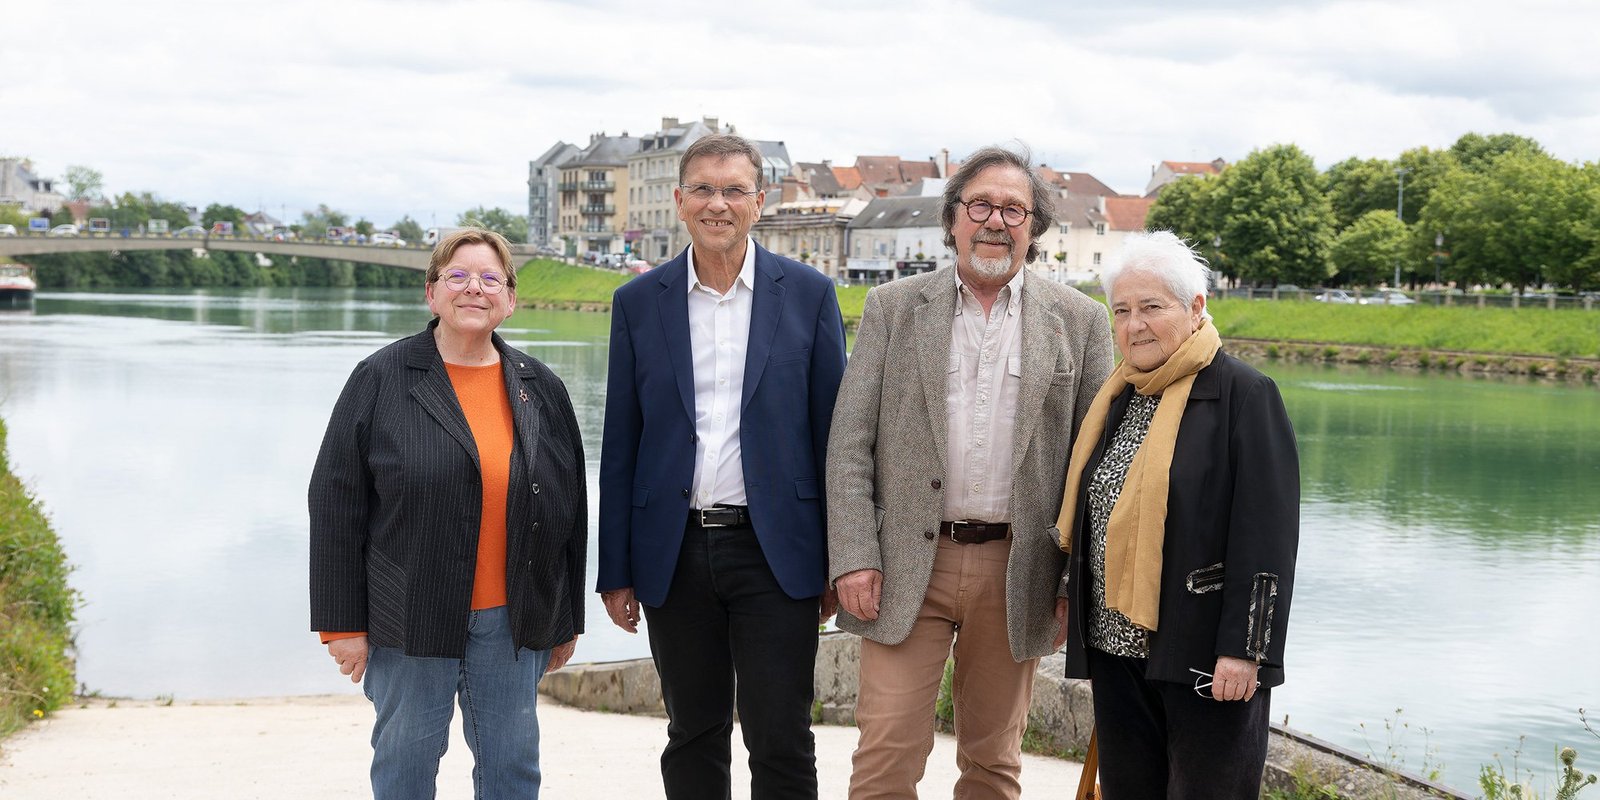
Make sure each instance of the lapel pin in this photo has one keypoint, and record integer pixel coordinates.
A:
(523, 393)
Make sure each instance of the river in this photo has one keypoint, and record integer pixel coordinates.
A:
(1449, 559)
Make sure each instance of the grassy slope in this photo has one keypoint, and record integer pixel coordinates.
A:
(36, 606)
(1530, 331)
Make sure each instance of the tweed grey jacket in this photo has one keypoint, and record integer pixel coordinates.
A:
(886, 452)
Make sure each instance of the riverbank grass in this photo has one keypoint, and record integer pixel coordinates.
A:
(544, 281)
(1555, 333)
(36, 608)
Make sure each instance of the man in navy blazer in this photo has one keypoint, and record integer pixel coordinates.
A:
(724, 366)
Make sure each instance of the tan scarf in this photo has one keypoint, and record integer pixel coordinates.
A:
(1138, 524)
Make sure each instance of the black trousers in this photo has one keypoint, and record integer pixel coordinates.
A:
(1160, 740)
(726, 621)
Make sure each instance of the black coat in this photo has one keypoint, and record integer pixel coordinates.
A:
(396, 503)
(1233, 525)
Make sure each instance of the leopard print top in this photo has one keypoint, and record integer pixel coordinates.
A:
(1109, 630)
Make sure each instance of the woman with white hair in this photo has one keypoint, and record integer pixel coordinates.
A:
(1181, 515)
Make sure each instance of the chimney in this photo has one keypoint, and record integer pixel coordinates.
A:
(944, 162)
(668, 123)
(791, 189)
(711, 122)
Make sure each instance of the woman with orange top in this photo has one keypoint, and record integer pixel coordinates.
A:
(448, 532)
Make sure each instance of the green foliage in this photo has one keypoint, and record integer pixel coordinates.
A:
(315, 224)
(512, 226)
(1369, 248)
(1524, 218)
(1475, 152)
(36, 607)
(15, 216)
(216, 212)
(364, 227)
(83, 183)
(408, 229)
(1276, 224)
(1307, 786)
(134, 211)
(1536, 331)
(1190, 208)
(944, 708)
(183, 269)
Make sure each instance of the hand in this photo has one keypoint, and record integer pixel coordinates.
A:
(623, 608)
(1234, 679)
(829, 604)
(859, 592)
(351, 656)
(561, 654)
(1061, 623)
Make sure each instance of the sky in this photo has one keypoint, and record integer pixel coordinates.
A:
(429, 107)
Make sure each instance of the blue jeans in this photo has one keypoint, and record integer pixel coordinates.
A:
(498, 689)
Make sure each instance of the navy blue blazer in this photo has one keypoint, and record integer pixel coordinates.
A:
(793, 364)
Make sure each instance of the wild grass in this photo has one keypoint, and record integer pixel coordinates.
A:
(36, 608)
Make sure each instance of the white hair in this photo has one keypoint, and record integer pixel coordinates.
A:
(1165, 256)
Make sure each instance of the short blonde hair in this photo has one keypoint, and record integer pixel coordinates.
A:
(447, 247)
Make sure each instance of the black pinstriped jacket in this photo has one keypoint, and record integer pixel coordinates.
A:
(396, 502)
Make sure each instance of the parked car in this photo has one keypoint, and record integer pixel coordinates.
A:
(64, 229)
(1387, 297)
(8, 230)
(191, 232)
(1336, 296)
(636, 266)
(387, 240)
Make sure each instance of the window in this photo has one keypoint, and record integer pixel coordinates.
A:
(1097, 259)
(1099, 229)
(1066, 228)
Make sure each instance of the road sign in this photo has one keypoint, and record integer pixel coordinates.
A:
(39, 225)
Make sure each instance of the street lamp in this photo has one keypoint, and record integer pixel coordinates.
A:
(1400, 214)
(1438, 255)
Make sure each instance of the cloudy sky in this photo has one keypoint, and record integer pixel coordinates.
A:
(428, 107)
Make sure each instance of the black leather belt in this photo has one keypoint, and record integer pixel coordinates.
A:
(966, 531)
(720, 517)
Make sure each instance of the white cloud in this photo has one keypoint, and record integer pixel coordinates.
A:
(427, 108)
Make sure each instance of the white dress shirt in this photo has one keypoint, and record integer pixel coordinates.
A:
(719, 335)
(981, 384)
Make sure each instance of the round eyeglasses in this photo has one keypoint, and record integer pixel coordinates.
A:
(980, 211)
(458, 280)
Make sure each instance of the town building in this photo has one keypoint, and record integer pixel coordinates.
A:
(592, 196)
(809, 230)
(1087, 230)
(1168, 171)
(544, 173)
(19, 186)
(893, 237)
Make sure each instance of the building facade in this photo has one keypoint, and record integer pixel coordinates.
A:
(592, 196)
(19, 186)
(893, 237)
(811, 231)
(544, 173)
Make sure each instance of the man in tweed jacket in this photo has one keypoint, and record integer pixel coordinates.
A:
(948, 452)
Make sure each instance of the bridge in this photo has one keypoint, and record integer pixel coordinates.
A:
(408, 257)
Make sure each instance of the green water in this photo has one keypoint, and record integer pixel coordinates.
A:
(1449, 565)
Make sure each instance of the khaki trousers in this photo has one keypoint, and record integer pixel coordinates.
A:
(966, 602)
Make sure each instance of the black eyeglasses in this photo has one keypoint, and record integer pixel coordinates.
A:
(980, 211)
(732, 194)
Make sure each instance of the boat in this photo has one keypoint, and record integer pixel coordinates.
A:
(16, 284)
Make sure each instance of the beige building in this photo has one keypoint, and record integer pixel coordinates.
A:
(1088, 229)
(810, 230)
(653, 228)
(592, 196)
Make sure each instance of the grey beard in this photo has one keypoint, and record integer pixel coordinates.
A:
(991, 268)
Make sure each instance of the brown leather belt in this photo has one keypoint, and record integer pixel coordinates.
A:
(720, 517)
(964, 531)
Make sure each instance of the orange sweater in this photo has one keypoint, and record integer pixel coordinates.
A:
(482, 394)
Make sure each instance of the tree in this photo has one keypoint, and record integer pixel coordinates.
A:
(512, 226)
(1355, 187)
(1475, 152)
(1368, 250)
(1188, 207)
(408, 229)
(1277, 225)
(1521, 220)
(217, 212)
(364, 227)
(83, 183)
(317, 223)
